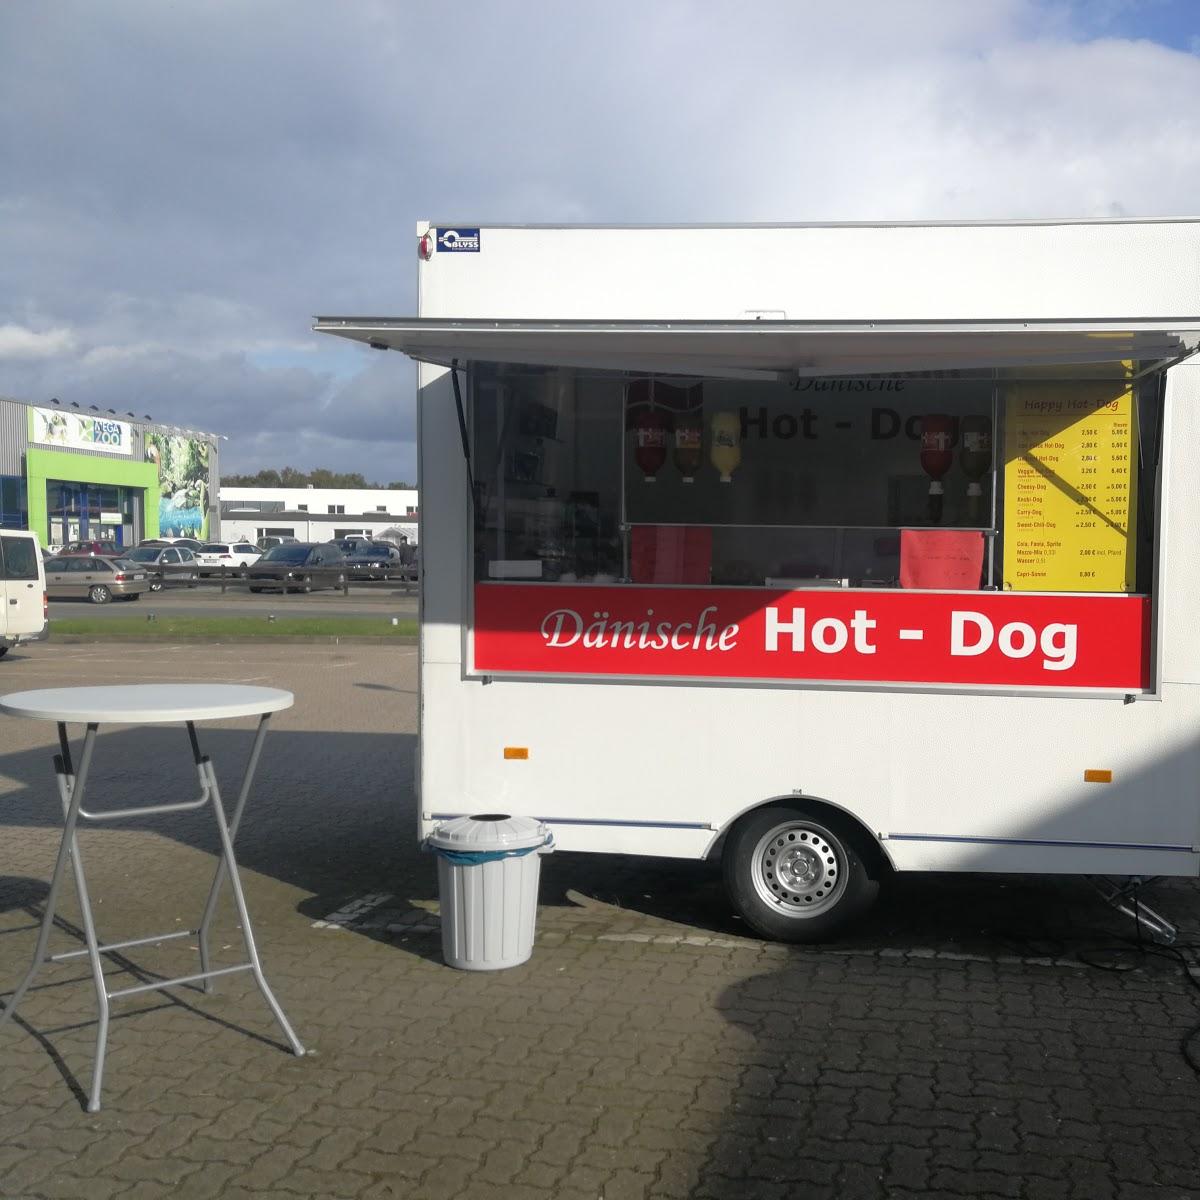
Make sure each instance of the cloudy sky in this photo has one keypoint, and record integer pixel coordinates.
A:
(182, 185)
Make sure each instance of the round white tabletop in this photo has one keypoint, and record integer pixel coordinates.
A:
(146, 703)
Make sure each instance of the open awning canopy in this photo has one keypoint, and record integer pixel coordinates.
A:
(776, 349)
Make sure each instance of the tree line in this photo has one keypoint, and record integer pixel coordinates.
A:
(318, 477)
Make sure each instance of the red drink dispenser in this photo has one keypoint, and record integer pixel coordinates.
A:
(650, 440)
(937, 457)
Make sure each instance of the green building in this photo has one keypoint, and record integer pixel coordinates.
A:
(78, 473)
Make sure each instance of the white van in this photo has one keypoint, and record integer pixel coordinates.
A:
(23, 606)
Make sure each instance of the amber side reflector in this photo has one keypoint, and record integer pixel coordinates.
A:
(516, 751)
(1097, 777)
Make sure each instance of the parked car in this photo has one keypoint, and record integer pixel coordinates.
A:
(98, 579)
(22, 590)
(298, 567)
(72, 548)
(268, 543)
(214, 557)
(188, 543)
(378, 560)
(166, 564)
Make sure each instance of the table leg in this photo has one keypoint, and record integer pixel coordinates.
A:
(210, 905)
(68, 789)
(71, 795)
(239, 900)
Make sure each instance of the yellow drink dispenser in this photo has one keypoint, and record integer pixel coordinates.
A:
(726, 441)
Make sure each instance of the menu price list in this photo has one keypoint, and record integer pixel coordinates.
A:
(1070, 489)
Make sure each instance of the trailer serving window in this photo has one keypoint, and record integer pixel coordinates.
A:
(759, 495)
(959, 481)
(879, 504)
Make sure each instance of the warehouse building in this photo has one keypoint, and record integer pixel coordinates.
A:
(315, 514)
(79, 473)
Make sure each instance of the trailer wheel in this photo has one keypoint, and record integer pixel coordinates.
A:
(797, 874)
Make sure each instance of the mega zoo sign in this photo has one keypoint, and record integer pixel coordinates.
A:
(75, 431)
(984, 639)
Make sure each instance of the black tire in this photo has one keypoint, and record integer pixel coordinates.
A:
(4, 650)
(193, 580)
(98, 593)
(255, 590)
(799, 874)
(305, 587)
(156, 586)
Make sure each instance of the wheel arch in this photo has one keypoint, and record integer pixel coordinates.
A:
(817, 804)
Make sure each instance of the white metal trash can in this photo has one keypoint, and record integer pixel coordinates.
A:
(488, 869)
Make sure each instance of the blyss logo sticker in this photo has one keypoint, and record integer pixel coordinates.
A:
(461, 241)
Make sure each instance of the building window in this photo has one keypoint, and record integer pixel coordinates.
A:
(381, 508)
(235, 506)
(14, 512)
(302, 507)
(410, 511)
(337, 508)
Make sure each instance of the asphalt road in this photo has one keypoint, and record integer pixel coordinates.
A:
(207, 600)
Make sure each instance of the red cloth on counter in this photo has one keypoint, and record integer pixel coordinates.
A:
(949, 559)
(671, 554)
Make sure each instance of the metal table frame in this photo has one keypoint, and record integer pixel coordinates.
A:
(71, 788)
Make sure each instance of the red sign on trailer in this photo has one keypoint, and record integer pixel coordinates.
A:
(986, 639)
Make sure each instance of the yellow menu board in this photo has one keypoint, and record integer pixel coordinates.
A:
(1070, 487)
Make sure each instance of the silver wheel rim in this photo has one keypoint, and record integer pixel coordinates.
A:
(799, 869)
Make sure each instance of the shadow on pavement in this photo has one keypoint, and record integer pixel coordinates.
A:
(333, 815)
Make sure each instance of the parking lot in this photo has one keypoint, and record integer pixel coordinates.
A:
(956, 1044)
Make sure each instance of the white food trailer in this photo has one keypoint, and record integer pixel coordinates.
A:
(830, 548)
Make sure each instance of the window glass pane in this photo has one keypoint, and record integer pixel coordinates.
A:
(949, 483)
(548, 472)
(13, 511)
(19, 558)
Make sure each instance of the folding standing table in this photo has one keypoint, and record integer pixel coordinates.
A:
(146, 704)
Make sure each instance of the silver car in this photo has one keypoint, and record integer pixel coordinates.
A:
(165, 565)
(96, 579)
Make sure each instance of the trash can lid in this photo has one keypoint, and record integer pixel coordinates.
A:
(490, 831)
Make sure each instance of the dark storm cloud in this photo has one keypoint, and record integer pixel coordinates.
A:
(184, 184)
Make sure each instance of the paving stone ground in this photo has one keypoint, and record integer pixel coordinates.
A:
(955, 1045)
